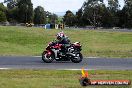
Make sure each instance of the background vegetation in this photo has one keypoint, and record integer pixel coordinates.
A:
(96, 13)
(57, 79)
(92, 13)
(21, 11)
(32, 41)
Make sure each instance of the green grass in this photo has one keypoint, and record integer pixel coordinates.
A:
(32, 41)
(56, 79)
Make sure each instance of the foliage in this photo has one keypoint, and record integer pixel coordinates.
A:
(95, 13)
(25, 11)
(11, 3)
(113, 8)
(39, 15)
(2, 16)
(12, 14)
(54, 18)
(113, 5)
(51, 17)
(92, 12)
(3, 10)
(69, 18)
(79, 18)
(126, 16)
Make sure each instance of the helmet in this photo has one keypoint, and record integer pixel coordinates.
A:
(60, 36)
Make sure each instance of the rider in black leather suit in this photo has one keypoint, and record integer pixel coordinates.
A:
(64, 40)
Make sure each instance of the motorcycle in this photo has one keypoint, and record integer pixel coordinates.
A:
(54, 52)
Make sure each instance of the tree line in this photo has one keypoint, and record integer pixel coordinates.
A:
(96, 13)
(22, 11)
(91, 13)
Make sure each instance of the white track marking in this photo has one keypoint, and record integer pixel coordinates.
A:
(37, 56)
(75, 69)
(91, 57)
(4, 68)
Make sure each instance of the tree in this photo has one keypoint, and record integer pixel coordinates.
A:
(51, 17)
(3, 10)
(25, 11)
(12, 14)
(113, 8)
(12, 10)
(2, 16)
(106, 19)
(113, 5)
(79, 18)
(54, 18)
(126, 17)
(92, 12)
(39, 15)
(69, 18)
(48, 16)
(11, 3)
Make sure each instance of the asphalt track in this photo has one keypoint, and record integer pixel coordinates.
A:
(87, 63)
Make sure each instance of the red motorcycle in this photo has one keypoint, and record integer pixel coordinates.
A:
(59, 52)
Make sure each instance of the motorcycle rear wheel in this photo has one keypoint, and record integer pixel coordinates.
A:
(46, 58)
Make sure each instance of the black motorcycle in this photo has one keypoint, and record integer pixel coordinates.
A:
(59, 52)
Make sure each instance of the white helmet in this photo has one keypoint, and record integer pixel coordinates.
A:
(60, 36)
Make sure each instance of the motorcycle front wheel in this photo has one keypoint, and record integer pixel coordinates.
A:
(78, 58)
(47, 58)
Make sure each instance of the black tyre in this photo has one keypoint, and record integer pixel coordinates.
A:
(46, 58)
(77, 59)
(85, 81)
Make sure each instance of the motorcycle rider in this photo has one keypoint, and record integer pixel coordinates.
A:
(64, 40)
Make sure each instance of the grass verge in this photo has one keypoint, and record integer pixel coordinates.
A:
(25, 41)
(56, 79)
